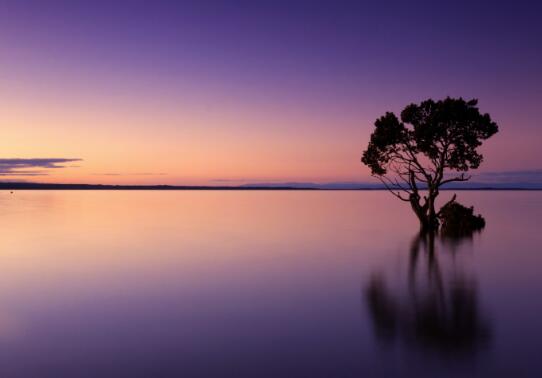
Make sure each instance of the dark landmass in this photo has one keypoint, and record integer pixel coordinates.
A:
(39, 186)
(285, 186)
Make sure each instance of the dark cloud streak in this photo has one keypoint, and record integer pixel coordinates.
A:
(27, 167)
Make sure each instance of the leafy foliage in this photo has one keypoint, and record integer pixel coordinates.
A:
(447, 132)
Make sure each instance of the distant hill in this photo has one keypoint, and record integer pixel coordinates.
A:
(378, 186)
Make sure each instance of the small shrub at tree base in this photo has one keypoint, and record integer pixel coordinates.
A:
(458, 220)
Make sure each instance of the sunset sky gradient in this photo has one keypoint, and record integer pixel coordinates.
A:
(208, 92)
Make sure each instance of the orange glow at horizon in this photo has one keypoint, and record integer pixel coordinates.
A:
(124, 142)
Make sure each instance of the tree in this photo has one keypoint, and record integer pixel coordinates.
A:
(434, 143)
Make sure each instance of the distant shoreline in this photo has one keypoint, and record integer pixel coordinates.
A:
(41, 186)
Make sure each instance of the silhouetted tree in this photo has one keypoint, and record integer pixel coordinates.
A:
(423, 150)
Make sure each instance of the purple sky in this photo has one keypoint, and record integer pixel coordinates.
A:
(275, 90)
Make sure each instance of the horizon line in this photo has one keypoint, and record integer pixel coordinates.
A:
(277, 186)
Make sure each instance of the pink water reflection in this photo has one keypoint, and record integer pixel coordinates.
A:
(251, 283)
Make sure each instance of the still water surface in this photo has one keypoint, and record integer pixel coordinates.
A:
(264, 284)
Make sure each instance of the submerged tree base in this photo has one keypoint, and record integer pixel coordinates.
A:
(458, 220)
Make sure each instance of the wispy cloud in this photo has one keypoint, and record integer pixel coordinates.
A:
(129, 174)
(32, 167)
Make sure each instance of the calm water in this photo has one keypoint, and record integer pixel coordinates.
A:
(264, 284)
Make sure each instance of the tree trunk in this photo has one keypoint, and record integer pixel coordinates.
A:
(426, 214)
(432, 220)
(420, 212)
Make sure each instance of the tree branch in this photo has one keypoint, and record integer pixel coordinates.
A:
(395, 193)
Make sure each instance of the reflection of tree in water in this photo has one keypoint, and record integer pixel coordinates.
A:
(437, 312)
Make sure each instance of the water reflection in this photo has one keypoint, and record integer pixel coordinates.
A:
(204, 284)
(437, 310)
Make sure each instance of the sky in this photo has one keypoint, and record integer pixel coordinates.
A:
(233, 92)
